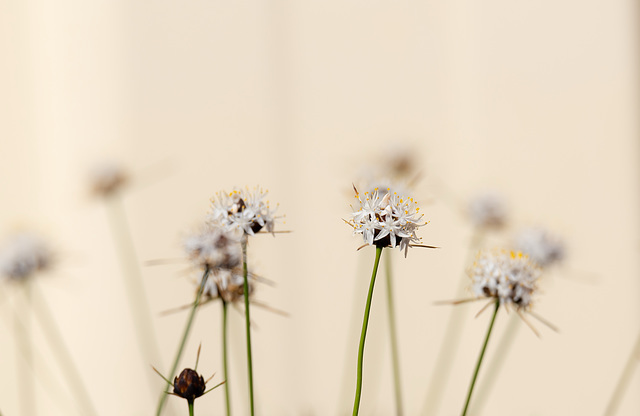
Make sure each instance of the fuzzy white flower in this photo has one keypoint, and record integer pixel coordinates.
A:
(23, 255)
(227, 284)
(540, 245)
(508, 276)
(242, 210)
(214, 248)
(488, 210)
(107, 177)
(387, 220)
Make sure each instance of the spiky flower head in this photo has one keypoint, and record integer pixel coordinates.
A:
(242, 210)
(214, 248)
(541, 246)
(107, 177)
(508, 276)
(23, 255)
(227, 284)
(189, 385)
(386, 219)
(488, 210)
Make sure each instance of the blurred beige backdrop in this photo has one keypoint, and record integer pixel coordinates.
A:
(538, 100)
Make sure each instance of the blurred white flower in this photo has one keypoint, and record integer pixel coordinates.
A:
(23, 255)
(540, 245)
(508, 276)
(488, 210)
(107, 177)
(386, 221)
(213, 247)
(227, 284)
(242, 210)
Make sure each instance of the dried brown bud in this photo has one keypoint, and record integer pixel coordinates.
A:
(189, 385)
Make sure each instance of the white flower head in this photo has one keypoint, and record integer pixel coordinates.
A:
(227, 284)
(107, 177)
(23, 255)
(488, 210)
(242, 210)
(540, 245)
(508, 276)
(214, 248)
(386, 220)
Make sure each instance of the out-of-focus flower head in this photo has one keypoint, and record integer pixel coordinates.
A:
(242, 210)
(213, 247)
(541, 246)
(227, 284)
(107, 177)
(488, 210)
(386, 220)
(505, 275)
(23, 255)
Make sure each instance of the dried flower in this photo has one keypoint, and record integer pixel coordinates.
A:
(541, 246)
(242, 210)
(189, 385)
(23, 255)
(488, 210)
(386, 221)
(508, 276)
(213, 247)
(107, 177)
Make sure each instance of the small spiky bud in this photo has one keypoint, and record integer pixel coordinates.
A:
(189, 385)
(107, 178)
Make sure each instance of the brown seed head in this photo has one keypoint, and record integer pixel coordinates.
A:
(189, 385)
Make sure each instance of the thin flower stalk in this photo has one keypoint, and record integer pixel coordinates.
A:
(363, 334)
(225, 355)
(23, 331)
(57, 343)
(625, 379)
(136, 293)
(495, 364)
(185, 335)
(484, 348)
(245, 276)
(393, 338)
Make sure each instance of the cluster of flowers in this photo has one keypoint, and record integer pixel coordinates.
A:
(387, 220)
(217, 245)
(508, 276)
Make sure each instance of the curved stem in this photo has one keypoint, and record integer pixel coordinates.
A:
(187, 329)
(395, 358)
(484, 348)
(245, 275)
(363, 334)
(225, 355)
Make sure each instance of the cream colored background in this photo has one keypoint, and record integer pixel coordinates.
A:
(536, 99)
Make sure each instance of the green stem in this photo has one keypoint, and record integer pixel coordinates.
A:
(484, 348)
(363, 334)
(625, 378)
(245, 275)
(225, 355)
(183, 342)
(57, 344)
(190, 404)
(494, 366)
(395, 358)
